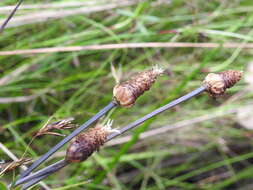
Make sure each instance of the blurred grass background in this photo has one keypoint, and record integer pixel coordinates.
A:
(209, 149)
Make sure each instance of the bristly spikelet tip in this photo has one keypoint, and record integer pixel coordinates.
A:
(108, 127)
(158, 70)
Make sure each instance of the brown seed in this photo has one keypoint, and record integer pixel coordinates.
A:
(216, 84)
(126, 93)
(86, 143)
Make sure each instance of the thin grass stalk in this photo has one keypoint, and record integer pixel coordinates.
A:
(47, 170)
(34, 181)
(157, 111)
(10, 16)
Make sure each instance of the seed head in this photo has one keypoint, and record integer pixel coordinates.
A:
(217, 83)
(88, 142)
(9, 166)
(60, 125)
(126, 93)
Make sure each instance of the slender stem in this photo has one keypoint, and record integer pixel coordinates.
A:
(41, 174)
(34, 181)
(10, 16)
(47, 170)
(68, 138)
(157, 111)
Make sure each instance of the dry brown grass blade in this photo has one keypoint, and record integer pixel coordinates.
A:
(127, 46)
(53, 5)
(18, 99)
(7, 100)
(44, 16)
(13, 157)
(8, 78)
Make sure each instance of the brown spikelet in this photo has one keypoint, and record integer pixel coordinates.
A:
(126, 93)
(60, 125)
(86, 143)
(231, 77)
(216, 84)
(9, 166)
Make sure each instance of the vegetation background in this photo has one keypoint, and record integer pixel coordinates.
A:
(207, 143)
